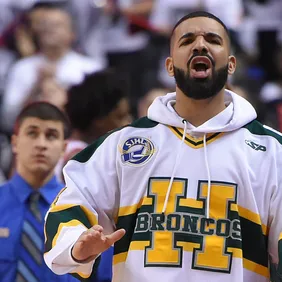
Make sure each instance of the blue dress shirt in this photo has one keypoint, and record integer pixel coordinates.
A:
(13, 196)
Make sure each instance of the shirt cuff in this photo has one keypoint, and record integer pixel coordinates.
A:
(63, 262)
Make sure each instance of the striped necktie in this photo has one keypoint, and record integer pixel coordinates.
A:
(32, 239)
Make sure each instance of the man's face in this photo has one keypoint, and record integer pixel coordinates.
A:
(200, 61)
(38, 145)
(56, 29)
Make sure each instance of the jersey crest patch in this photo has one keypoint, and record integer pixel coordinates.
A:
(137, 151)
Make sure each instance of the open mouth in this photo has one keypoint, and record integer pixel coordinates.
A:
(201, 67)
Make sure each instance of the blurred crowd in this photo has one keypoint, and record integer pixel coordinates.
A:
(101, 62)
(46, 47)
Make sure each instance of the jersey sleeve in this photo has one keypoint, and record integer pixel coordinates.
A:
(275, 225)
(91, 196)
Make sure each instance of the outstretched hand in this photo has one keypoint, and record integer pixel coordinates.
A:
(93, 242)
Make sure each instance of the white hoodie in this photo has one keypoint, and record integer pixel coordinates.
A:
(198, 203)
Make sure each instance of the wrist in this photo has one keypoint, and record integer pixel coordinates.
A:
(84, 260)
(75, 259)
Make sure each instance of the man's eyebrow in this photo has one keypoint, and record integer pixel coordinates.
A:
(32, 127)
(186, 35)
(212, 34)
(206, 34)
(52, 130)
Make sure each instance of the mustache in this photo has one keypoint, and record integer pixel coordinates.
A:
(203, 55)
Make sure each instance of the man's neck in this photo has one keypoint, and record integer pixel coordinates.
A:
(198, 112)
(54, 54)
(35, 180)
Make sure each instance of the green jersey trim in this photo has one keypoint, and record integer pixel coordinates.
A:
(257, 128)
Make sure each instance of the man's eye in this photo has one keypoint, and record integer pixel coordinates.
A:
(186, 42)
(215, 41)
(52, 137)
(31, 133)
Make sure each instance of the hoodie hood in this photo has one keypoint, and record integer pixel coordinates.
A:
(238, 112)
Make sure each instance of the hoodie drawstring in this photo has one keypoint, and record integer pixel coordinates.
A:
(209, 175)
(175, 166)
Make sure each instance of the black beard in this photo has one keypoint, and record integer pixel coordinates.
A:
(200, 89)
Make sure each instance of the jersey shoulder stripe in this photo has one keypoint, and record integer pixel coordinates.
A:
(257, 128)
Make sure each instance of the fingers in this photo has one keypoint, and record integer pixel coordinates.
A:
(97, 228)
(93, 241)
(88, 242)
(117, 235)
(95, 232)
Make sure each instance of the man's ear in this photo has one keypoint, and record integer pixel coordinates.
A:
(169, 66)
(14, 142)
(231, 65)
(64, 147)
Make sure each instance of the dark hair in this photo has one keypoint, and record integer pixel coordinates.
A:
(49, 5)
(95, 97)
(43, 111)
(199, 14)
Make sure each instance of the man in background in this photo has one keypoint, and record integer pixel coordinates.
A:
(95, 106)
(38, 142)
(56, 63)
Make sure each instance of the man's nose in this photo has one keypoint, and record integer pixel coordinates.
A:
(200, 45)
(41, 141)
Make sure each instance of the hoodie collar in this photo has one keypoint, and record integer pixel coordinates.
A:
(238, 113)
(222, 118)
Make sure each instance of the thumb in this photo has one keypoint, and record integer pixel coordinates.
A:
(117, 235)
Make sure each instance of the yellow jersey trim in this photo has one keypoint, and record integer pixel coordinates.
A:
(251, 216)
(90, 215)
(254, 267)
(192, 142)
